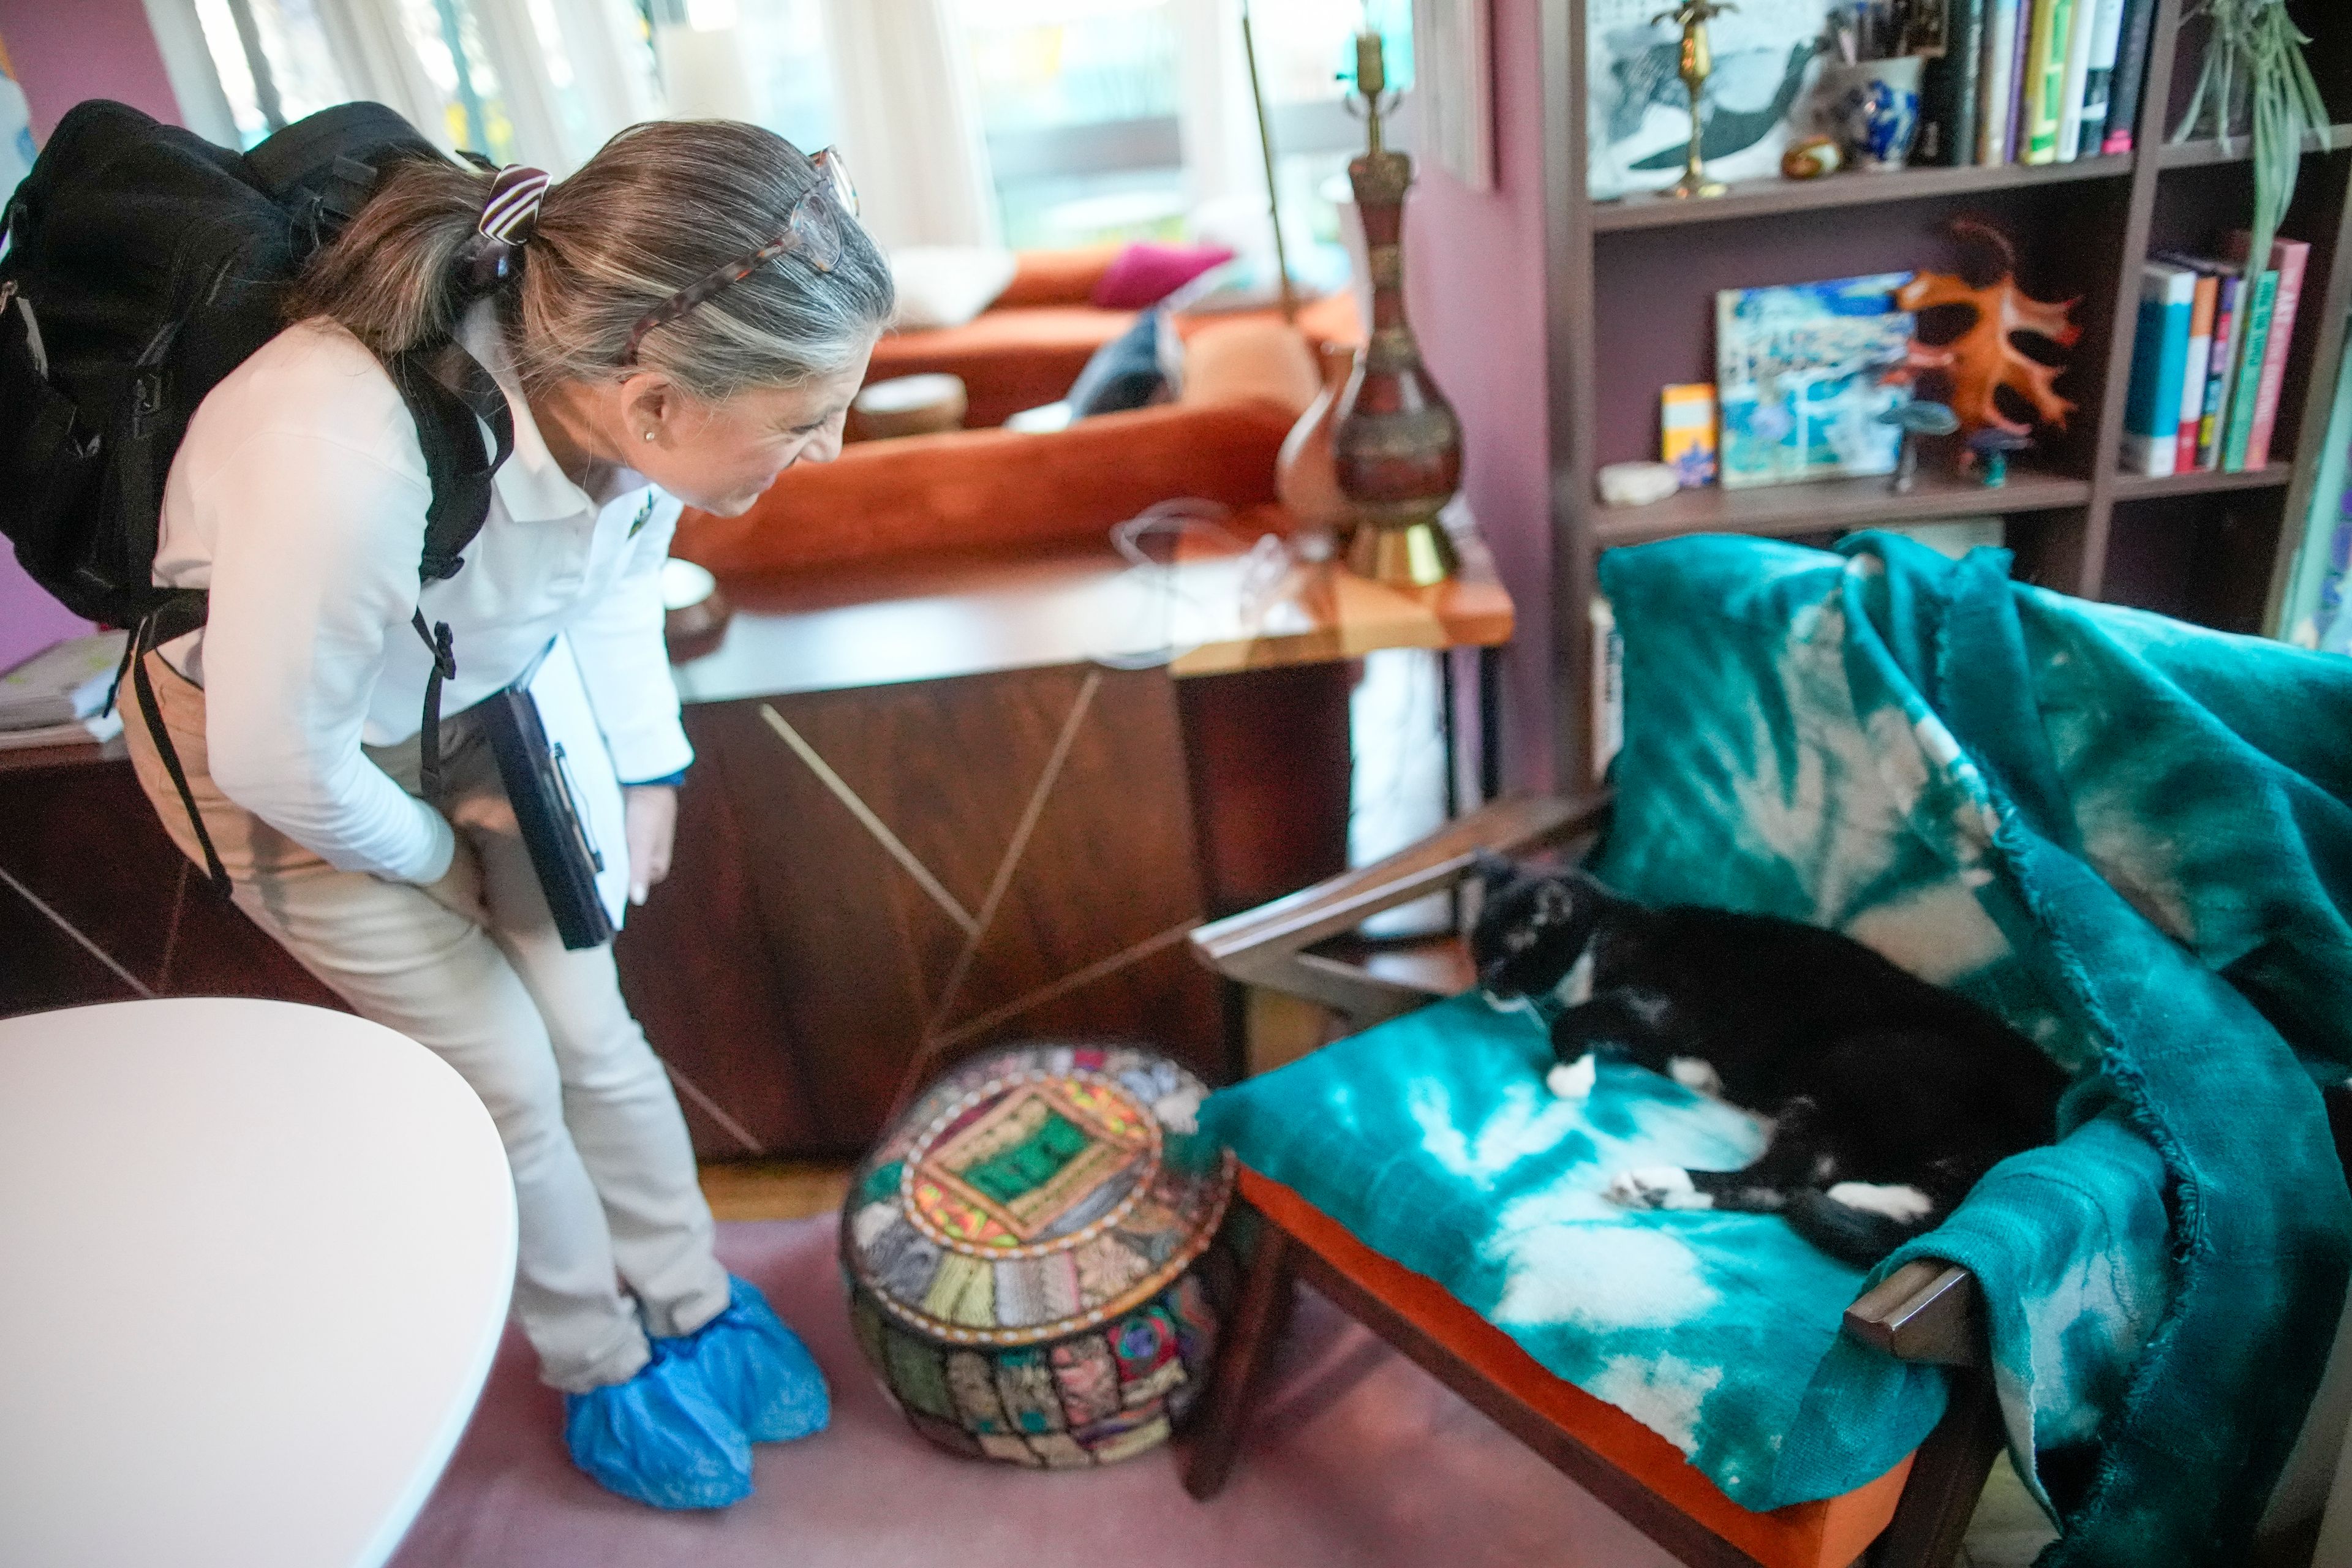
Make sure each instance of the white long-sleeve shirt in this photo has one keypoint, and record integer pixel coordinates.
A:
(298, 498)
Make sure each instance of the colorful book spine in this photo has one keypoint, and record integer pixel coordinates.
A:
(2074, 79)
(2289, 258)
(2020, 58)
(2131, 70)
(2159, 357)
(2046, 78)
(1948, 89)
(2239, 428)
(2192, 370)
(1993, 81)
(2228, 317)
(2106, 39)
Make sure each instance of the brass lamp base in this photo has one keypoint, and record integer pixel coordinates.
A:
(1414, 556)
(1687, 188)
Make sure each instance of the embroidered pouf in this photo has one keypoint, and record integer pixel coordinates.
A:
(1022, 1249)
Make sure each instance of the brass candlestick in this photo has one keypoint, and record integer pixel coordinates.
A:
(1698, 63)
(1396, 444)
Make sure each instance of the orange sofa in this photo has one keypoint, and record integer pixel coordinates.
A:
(1026, 349)
(1246, 383)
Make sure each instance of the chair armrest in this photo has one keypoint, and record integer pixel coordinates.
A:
(1923, 1311)
(1266, 946)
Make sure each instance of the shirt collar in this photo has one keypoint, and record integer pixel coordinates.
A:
(528, 484)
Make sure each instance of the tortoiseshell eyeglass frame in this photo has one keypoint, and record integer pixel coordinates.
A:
(813, 232)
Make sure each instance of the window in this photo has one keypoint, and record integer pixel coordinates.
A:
(1083, 106)
(761, 60)
(1079, 103)
(274, 61)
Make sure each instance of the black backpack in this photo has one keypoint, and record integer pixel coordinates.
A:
(142, 265)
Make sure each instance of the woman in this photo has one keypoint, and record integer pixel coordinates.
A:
(690, 316)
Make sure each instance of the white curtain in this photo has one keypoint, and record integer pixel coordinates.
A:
(909, 123)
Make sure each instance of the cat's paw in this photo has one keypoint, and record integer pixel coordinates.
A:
(1658, 1187)
(1573, 1080)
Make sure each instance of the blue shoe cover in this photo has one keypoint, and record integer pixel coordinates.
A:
(757, 1369)
(659, 1438)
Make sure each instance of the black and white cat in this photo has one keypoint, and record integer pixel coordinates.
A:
(1887, 1096)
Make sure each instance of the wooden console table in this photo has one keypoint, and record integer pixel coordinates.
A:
(1049, 828)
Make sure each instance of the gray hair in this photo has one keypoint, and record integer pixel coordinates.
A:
(661, 207)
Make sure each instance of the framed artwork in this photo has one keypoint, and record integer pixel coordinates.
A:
(1801, 379)
(1638, 112)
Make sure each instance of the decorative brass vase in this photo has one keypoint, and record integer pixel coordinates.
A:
(1397, 446)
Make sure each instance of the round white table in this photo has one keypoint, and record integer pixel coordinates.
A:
(254, 1261)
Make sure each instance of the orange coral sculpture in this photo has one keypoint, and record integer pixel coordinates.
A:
(1985, 358)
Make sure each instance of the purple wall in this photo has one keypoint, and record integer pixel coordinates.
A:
(67, 50)
(30, 619)
(62, 54)
(1474, 267)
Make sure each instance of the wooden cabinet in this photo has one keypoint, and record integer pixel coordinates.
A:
(871, 877)
(96, 905)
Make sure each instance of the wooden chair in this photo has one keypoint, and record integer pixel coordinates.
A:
(1911, 1517)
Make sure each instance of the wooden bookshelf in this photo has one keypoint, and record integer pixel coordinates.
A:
(1630, 304)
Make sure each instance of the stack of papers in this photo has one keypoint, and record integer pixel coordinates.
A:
(55, 697)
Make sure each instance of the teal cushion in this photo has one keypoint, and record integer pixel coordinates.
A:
(1433, 1140)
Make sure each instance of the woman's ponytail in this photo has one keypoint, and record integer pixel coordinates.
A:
(393, 277)
(658, 209)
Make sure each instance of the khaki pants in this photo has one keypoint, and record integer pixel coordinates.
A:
(604, 1179)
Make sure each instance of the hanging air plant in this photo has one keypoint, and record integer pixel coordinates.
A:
(2255, 50)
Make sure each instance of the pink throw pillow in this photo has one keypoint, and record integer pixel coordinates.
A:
(1146, 273)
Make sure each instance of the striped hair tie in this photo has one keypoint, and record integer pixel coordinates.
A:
(509, 218)
(512, 211)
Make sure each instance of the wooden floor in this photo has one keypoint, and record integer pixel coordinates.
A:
(773, 1189)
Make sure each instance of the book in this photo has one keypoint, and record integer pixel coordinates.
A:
(2160, 356)
(1800, 379)
(96, 728)
(1999, 47)
(2138, 25)
(2228, 317)
(2074, 79)
(1686, 433)
(2193, 371)
(1948, 89)
(2046, 78)
(2229, 322)
(2021, 51)
(2289, 258)
(558, 775)
(2237, 422)
(2098, 80)
(63, 684)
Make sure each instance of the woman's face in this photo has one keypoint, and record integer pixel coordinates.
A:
(722, 457)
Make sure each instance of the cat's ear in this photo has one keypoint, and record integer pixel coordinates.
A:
(1553, 901)
(1495, 872)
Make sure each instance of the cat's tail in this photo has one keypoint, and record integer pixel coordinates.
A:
(1853, 1234)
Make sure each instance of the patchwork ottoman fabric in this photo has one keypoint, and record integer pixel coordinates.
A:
(1021, 1249)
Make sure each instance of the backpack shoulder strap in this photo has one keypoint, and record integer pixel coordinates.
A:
(450, 396)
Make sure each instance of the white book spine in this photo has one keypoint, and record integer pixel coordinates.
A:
(2081, 24)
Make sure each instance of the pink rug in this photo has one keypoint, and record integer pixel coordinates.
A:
(1355, 1459)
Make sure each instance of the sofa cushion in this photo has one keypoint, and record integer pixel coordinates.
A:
(1009, 358)
(1056, 277)
(947, 285)
(1147, 272)
(1124, 373)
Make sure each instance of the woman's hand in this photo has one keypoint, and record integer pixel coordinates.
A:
(651, 812)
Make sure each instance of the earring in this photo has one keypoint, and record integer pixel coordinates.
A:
(649, 435)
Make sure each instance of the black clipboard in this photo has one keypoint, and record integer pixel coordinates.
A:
(541, 785)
